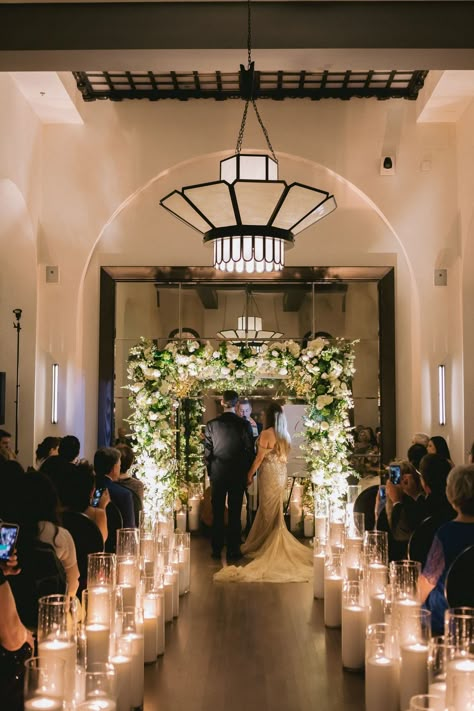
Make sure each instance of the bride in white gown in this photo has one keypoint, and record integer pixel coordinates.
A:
(277, 556)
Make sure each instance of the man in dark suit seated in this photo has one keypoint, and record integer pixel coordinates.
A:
(107, 471)
(229, 452)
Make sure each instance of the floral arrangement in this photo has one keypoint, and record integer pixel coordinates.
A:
(161, 380)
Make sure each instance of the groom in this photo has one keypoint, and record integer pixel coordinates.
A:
(229, 453)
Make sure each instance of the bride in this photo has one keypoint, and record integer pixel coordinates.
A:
(277, 556)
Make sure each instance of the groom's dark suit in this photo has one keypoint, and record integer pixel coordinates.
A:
(229, 452)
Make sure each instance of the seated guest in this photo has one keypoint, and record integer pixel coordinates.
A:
(16, 642)
(421, 438)
(42, 573)
(450, 540)
(397, 516)
(69, 449)
(438, 445)
(76, 490)
(107, 470)
(415, 454)
(130, 482)
(6, 451)
(49, 447)
(434, 472)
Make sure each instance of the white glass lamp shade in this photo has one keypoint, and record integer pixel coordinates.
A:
(249, 323)
(248, 167)
(302, 207)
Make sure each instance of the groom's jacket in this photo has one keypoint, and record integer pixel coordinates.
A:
(228, 446)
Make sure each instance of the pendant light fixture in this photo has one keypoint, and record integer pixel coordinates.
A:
(249, 331)
(249, 215)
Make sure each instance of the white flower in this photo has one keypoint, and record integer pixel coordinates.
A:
(225, 371)
(283, 371)
(216, 355)
(233, 352)
(239, 373)
(324, 426)
(323, 400)
(294, 349)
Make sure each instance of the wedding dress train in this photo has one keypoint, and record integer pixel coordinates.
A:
(278, 556)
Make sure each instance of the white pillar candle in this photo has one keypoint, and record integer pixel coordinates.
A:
(333, 601)
(175, 577)
(99, 604)
(459, 684)
(64, 650)
(160, 624)
(181, 521)
(377, 578)
(123, 671)
(377, 608)
(296, 513)
(127, 571)
(382, 679)
(413, 672)
(168, 588)
(405, 621)
(320, 527)
(194, 504)
(318, 575)
(297, 493)
(308, 529)
(185, 559)
(97, 643)
(135, 641)
(438, 688)
(354, 624)
(150, 638)
(43, 703)
(336, 533)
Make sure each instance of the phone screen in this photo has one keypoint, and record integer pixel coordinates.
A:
(97, 494)
(382, 493)
(8, 536)
(395, 474)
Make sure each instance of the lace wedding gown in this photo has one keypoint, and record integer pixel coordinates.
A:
(277, 556)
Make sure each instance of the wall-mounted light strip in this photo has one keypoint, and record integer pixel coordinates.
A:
(442, 394)
(54, 393)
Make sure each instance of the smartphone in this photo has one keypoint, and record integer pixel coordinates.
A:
(8, 536)
(382, 494)
(97, 494)
(395, 473)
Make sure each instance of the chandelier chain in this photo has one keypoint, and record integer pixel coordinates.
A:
(250, 69)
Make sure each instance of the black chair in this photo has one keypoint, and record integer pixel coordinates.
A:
(114, 522)
(87, 539)
(422, 538)
(365, 503)
(459, 589)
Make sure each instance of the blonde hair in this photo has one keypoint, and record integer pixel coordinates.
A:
(460, 488)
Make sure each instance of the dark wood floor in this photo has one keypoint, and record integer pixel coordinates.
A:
(249, 647)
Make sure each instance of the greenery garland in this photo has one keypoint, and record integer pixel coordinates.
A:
(161, 380)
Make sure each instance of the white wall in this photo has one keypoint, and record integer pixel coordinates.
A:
(102, 182)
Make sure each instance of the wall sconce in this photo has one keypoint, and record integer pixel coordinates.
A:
(442, 394)
(54, 393)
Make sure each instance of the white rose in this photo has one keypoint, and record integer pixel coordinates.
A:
(324, 426)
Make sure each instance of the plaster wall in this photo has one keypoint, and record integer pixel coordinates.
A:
(100, 187)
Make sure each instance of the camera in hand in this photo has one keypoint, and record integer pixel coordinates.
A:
(395, 473)
(8, 536)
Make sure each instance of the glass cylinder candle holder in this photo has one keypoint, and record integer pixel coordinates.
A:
(336, 527)
(128, 543)
(459, 627)
(413, 639)
(194, 506)
(181, 519)
(319, 558)
(96, 625)
(127, 579)
(101, 685)
(354, 624)
(352, 558)
(57, 627)
(183, 546)
(130, 644)
(123, 671)
(151, 617)
(439, 654)
(375, 547)
(44, 683)
(353, 491)
(461, 684)
(382, 669)
(308, 523)
(101, 570)
(333, 578)
(404, 576)
(321, 517)
(354, 523)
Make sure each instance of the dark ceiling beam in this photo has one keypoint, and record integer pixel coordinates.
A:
(58, 33)
(208, 297)
(292, 300)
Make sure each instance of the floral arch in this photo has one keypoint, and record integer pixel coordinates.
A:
(162, 380)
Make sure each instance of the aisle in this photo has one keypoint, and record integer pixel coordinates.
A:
(249, 647)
